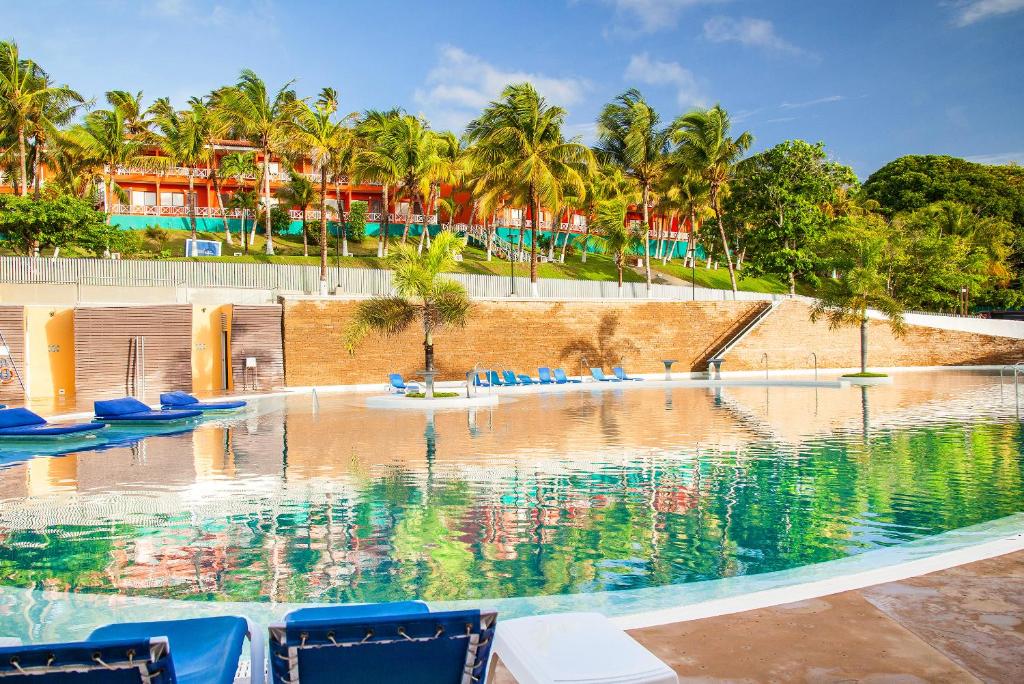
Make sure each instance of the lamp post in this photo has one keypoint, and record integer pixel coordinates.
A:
(511, 269)
(963, 301)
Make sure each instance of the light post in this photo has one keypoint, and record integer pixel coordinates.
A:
(511, 268)
(963, 301)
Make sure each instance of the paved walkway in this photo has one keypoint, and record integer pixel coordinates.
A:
(964, 624)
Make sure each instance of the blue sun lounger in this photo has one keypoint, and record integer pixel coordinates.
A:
(621, 374)
(128, 410)
(562, 379)
(195, 651)
(397, 384)
(20, 423)
(184, 400)
(525, 379)
(544, 375)
(388, 643)
(478, 381)
(601, 377)
(510, 378)
(495, 379)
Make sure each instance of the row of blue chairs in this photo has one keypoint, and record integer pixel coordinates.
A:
(383, 643)
(545, 376)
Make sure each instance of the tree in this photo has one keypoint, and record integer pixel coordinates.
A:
(355, 227)
(518, 140)
(782, 193)
(630, 135)
(423, 294)
(705, 147)
(860, 252)
(265, 120)
(247, 202)
(299, 192)
(29, 224)
(616, 237)
(240, 165)
(184, 137)
(377, 161)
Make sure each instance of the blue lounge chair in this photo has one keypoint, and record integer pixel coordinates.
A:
(510, 378)
(20, 423)
(128, 410)
(195, 651)
(525, 379)
(397, 384)
(184, 400)
(387, 643)
(544, 374)
(621, 374)
(495, 379)
(479, 381)
(562, 379)
(601, 377)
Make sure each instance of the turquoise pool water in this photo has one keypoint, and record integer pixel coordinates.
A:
(570, 493)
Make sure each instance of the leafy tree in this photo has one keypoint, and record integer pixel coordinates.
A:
(782, 193)
(424, 294)
(617, 237)
(299, 192)
(240, 165)
(28, 224)
(280, 219)
(355, 226)
(707, 149)
(860, 251)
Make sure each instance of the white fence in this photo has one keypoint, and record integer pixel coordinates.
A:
(306, 279)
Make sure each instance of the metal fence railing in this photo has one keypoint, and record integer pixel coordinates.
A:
(289, 279)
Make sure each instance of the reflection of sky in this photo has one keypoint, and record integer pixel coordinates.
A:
(550, 494)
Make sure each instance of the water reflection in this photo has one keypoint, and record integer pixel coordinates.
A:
(574, 492)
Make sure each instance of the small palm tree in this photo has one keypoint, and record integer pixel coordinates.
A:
(423, 294)
(299, 192)
(246, 201)
(239, 165)
(707, 149)
(377, 161)
(862, 285)
(615, 236)
(183, 139)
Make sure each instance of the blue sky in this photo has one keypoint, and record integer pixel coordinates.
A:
(873, 79)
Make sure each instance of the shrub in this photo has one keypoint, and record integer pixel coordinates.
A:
(280, 220)
(355, 227)
(157, 234)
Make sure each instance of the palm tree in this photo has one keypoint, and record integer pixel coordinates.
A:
(706, 148)
(862, 285)
(377, 161)
(138, 121)
(50, 115)
(239, 165)
(28, 100)
(423, 294)
(265, 120)
(520, 143)
(617, 237)
(445, 165)
(694, 197)
(183, 138)
(247, 202)
(299, 191)
(630, 135)
(343, 170)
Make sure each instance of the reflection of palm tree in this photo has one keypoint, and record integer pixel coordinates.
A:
(865, 422)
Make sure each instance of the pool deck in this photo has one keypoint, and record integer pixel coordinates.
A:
(963, 624)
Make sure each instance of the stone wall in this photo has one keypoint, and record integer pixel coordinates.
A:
(526, 334)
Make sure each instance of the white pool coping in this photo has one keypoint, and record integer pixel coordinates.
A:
(400, 402)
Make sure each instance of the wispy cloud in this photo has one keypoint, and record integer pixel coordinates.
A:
(780, 119)
(812, 103)
(643, 69)
(243, 17)
(998, 158)
(648, 16)
(747, 114)
(461, 84)
(972, 11)
(759, 33)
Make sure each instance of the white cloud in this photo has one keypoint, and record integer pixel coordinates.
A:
(998, 158)
(973, 11)
(170, 8)
(461, 84)
(748, 31)
(243, 17)
(648, 16)
(812, 103)
(643, 69)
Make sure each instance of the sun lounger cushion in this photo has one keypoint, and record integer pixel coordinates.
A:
(19, 417)
(186, 401)
(20, 422)
(205, 650)
(129, 409)
(108, 661)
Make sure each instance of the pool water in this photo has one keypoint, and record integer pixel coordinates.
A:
(564, 493)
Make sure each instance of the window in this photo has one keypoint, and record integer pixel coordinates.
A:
(578, 220)
(172, 199)
(141, 198)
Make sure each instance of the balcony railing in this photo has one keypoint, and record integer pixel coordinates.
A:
(280, 176)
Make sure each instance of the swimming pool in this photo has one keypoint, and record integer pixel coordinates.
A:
(570, 493)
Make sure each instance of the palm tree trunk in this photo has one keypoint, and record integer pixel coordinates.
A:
(266, 202)
(620, 258)
(305, 236)
(192, 211)
(220, 203)
(23, 156)
(565, 241)
(323, 228)
(344, 225)
(864, 344)
(586, 243)
(384, 226)
(725, 241)
(647, 241)
(533, 238)
(36, 165)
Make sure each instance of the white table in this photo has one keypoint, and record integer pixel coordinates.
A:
(580, 648)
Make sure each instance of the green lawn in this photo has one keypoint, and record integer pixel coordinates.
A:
(719, 279)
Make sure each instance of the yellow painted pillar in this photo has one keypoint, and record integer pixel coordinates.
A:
(210, 348)
(50, 347)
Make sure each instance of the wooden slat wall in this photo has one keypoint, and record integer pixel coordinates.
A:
(12, 324)
(103, 339)
(256, 331)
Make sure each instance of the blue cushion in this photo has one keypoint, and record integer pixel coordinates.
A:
(19, 417)
(359, 610)
(204, 650)
(216, 405)
(47, 430)
(83, 654)
(177, 398)
(119, 407)
(153, 416)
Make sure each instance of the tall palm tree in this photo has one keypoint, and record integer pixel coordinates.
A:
(424, 294)
(693, 195)
(49, 117)
(239, 165)
(342, 169)
(138, 120)
(377, 161)
(444, 165)
(299, 192)
(706, 148)
(247, 202)
(27, 101)
(630, 135)
(862, 285)
(519, 141)
(266, 120)
(183, 138)
(615, 235)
